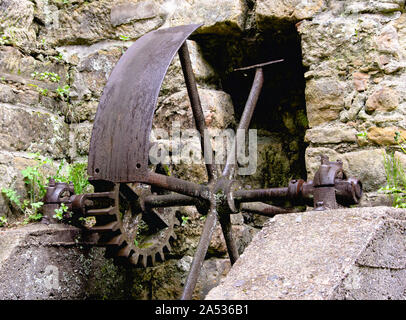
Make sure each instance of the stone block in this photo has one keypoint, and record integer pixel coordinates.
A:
(384, 99)
(293, 10)
(40, 262)
(324, 100)
(384, 136)
(32, 131)
(96, 21)
(223, 17)
(17, 23)
(341, 254)
(331, 134)
(217, 108)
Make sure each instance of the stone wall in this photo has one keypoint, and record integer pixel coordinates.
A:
(343, 75)
(354, 52)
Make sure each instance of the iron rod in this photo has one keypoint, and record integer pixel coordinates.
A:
(226, 227)
(264, 209)
(258, 65)
(200, 254)
(260, 194)
(245, 120)
(169, 200)
(178, 185)
(197, 108)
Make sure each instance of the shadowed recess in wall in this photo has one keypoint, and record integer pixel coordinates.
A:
(280, 115)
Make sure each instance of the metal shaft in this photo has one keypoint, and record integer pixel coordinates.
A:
(264, 209)
(169, 200)
(200, 254)
(197, 109)
(226, 227)
(260, 194)
(249, 108)
(178, 185)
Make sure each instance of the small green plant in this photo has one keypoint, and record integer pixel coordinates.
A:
(43, 91)
(60, 211)
(124, 38)
(3, 222)
(185, 219)
(59, 57)
(51, 76)
(362, 134)
(4, 40)
(36, 182)
(63, 92)
(395, 176)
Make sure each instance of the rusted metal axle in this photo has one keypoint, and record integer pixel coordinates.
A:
(329, 189)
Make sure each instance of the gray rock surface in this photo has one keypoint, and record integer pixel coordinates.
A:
(39, 262)
(357, 253)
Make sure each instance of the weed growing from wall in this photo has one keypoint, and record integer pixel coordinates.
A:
(395, 176)
(36, 182)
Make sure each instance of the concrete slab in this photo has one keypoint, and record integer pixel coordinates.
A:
(40, 262)
(357, 253)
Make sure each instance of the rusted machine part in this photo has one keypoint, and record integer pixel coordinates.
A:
(119, 219)
(200, 254)
(119, 145)
(229, 168)
(259, 65)
(331, 185)
(264, 209)
(56, 194)
(197, 109)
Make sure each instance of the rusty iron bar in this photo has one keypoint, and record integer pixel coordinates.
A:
(197, 109)
(200, 254)
(264, 209)
(229, 168)
(226, 227)
(178, 185)
(245, 120)
(259, 65)
(169, 200)
(260, 194)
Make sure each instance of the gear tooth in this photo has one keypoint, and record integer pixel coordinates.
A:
(174, 236)
(144, 260)
(161, 254)
(114, 241)
(134, 258)
(124, 252)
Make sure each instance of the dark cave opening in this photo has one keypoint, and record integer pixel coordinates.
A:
(280, 115)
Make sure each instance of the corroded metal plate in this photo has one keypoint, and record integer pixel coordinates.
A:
(120, 139)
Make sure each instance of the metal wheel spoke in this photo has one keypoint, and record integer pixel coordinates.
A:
(197, 110)
(249, 108)
(226, 227)
(200, 254)
(154, 219)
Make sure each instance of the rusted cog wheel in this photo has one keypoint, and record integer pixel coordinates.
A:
(130, 232)
(146, 232)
